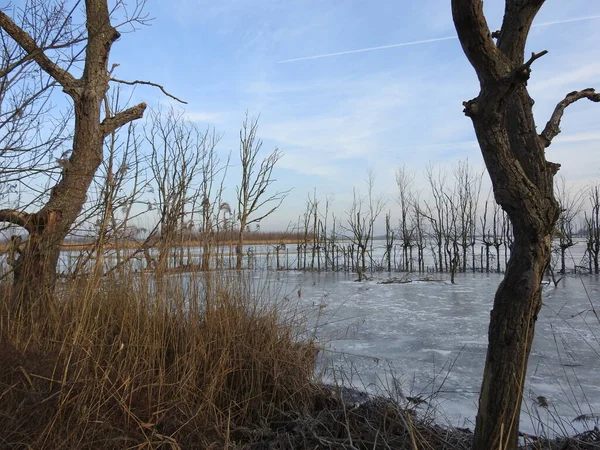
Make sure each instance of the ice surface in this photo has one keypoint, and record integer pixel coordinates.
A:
(431, 337)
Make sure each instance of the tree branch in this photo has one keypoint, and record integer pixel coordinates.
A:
(110, 124)
(66, 80)
(15, 217)
(518, 17)
(524, 72)
(148, 83)
(552, 128)
(476, 40)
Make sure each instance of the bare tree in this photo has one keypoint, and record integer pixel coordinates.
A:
(571, 204)
(211, 194)
(360, 225)
(420, 234)
(467, 188)
(491, 233)
(327, 248)
(435, 214)
(119, 188)
(257, 177)
(452, 231)
(177, 147)
(42, 39)
(375, 205)
(592, 222)
(358, 233)
(404, 183)
(389, 241)
(314, 208)
(522, 179)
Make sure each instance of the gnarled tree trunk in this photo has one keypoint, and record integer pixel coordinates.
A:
(522, 180)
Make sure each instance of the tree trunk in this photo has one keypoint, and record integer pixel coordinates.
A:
(508, 142)
(440, 254)
(239, 249)
(206, 254)
(512, 324)
(34, 275)
(498, 259)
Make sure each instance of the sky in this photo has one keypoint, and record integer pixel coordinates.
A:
(343, 87)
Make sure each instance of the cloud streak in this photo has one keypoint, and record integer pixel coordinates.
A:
(420, 42)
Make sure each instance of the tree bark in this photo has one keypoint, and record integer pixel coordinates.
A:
(239, 249)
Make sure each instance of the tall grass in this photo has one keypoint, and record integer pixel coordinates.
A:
(182, 361)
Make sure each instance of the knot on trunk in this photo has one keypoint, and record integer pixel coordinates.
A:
(553, 167)
(471, 108)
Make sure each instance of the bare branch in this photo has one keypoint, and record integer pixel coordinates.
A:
(110, 124)
(552, 128)
(15, 217)
(524, 72)
(66, 80)
(148, 83)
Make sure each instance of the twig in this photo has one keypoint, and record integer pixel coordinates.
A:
(148, 83)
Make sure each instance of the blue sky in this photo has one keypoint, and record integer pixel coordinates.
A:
(337, 116)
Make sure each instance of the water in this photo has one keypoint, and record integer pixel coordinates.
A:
(430, 337)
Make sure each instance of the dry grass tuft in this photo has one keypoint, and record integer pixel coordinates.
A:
(130, 363)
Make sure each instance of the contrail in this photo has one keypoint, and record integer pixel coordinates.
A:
(558, 22)
(424, 41)
(369, 49)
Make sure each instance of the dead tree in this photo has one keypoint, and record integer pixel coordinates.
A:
(119, 188)
(49, 225)
(358, 233)
(570, 208)
(453, 232)
(256, 179)
(177, 147)
(405, 200)
(314, 208)
(389, 242)
(522, 180)
(435, 214)
(420, 235)
(467, 188)
(592, 223)
(359, 229)
(211, 194)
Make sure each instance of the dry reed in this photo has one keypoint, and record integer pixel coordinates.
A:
(135, 362)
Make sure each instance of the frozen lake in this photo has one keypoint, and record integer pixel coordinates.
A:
(431, 337)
